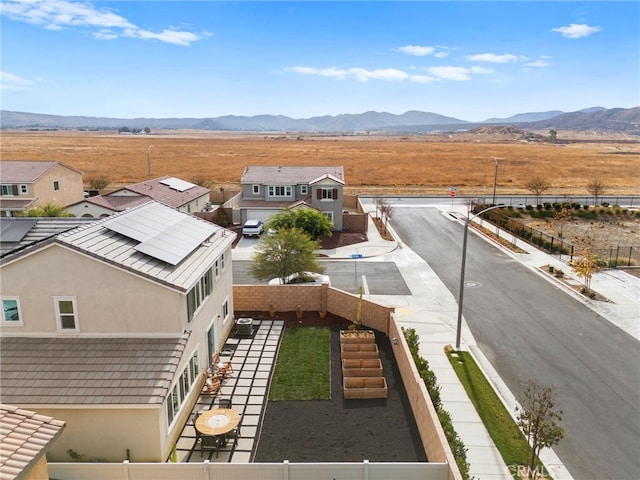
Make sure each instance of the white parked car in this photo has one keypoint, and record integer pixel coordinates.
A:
(252, 228)
(306, 278)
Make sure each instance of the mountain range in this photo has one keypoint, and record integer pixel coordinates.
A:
(590, 119)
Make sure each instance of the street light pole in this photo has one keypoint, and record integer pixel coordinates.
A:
(464, 259)
(495, 181)
(149, 161)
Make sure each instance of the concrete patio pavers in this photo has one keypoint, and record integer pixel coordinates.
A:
(253, 360)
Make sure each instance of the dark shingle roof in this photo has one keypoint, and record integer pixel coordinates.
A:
(24, 439)
(288, 175)
(88, 370)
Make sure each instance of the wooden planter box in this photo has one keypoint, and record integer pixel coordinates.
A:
(357, 336)
(358, 350)
(364, 387)
(364, 367)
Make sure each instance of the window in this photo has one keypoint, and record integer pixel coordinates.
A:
(56, 185)
(217, 269)
(177, 396)
(222, 261)
(199, 293)
(23, 189)
(11, 314)
(280, 191)
(9, 190)
(304, 189)
(327, 193)
(256, 189)
(329, 215)
(66, 312)
(225, 309)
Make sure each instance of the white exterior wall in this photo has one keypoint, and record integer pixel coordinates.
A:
(88, 209)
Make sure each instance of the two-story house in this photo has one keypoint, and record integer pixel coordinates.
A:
(174, 192)
(109, 327)
(27, 184)
(268, 189)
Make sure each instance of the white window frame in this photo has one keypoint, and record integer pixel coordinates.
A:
(74, 303)
(225, 310)
(256, 189)
(24, 189)
(327, 194)
(222, 263)
(286, 191)
(329, 214)
(18, 322)
(304, 189)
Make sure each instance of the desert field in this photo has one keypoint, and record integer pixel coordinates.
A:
(416, 164)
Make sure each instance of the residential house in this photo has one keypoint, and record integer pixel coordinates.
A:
(26, 437)
(109, 327)
(174, 192)
(27, 184)
(268, 189)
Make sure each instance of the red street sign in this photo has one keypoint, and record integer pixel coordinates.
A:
(453, 193)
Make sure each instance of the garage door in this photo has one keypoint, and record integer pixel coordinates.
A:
(263, 215)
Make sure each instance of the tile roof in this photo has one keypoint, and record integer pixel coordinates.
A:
(27, 171)
(155, 189)
(88, 371)
(287, 175)
(24, 438)
(117, 203)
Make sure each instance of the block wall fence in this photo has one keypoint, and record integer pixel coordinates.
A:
(314, 298)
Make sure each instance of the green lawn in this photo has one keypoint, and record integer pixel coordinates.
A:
(505, 434)
(303, 366)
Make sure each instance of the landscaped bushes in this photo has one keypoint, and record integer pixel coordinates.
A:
(455, 442)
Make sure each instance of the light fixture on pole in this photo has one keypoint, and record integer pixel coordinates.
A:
(149, 161)
(464, 259)
(495, 181)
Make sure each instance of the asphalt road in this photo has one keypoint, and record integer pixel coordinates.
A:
(529, 329)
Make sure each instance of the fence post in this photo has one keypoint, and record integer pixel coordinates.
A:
(629, 261)
(617, 255)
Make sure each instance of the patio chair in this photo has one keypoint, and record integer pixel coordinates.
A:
(194, 417)
(210, 442)
(212, 387)
(224, 403)
(232, 436)
(218, 366)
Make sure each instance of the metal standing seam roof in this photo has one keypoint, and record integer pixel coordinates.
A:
(118, 247)
(24, 438)
(27, 171)
(88, 371)
(288, 175)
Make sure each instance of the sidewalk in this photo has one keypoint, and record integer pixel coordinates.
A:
(431, 310)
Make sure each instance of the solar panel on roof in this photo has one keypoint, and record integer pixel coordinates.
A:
(163, 233)
(177, 184)
(15, 229)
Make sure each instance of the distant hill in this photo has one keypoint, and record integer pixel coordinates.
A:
(596, 118)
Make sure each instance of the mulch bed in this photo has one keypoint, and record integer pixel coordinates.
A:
(338, 430)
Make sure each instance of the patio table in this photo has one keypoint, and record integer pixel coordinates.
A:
(217, 421)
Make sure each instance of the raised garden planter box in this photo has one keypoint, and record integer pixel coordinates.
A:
(362, 367)
(358, 350)
(357, 336)
(364, 387)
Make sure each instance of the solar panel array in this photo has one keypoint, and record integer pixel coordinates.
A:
(177, 184)
(16, 229)
(163, 233)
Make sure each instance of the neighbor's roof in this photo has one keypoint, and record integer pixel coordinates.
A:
(88, 371)
(16, 204)
(20, 232)
(116, 203)
(24, 438)
(12, 171)
(152, 240)
(287, 175)
(168, 190)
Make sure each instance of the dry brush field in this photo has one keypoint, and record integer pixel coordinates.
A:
(428, 164)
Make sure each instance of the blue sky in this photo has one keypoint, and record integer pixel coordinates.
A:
(469, 60)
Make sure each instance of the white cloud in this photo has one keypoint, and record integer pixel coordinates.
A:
(364, 75)
(15, 83)
(575, 30)
(457, 74)
(492, 58)
(441, 54)
(482, 70)
(325, 72)
(422, 79)
(540, 63)
(416, 50)
(59, 14)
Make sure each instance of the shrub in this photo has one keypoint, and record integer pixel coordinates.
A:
(528, 207)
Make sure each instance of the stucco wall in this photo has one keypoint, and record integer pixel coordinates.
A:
(70, 182)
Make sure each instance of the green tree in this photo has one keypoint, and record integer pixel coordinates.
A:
(287, 252)
(46, 210)
(553, 135)
(312, 222)
(539, 420)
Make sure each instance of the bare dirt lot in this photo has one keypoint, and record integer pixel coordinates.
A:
(416, 164)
